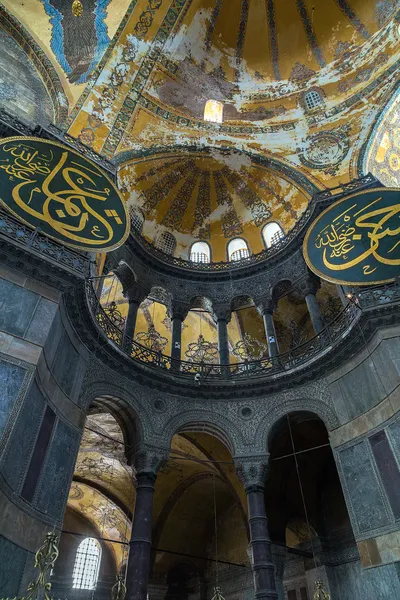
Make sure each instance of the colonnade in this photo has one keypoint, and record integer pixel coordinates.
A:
(222, 315)
(252, 473)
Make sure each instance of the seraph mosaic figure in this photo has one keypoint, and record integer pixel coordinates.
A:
(78, 42)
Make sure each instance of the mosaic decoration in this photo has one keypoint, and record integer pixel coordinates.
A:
(163, 187)
(203, 204)
(151, 339)
(356, 241)
(202, 351)
(260, 212)
(325, 151)
(248, 348)
(301, 73)
(363, 74)
(211, 28)
(309, 29)
(273, 39)
(384, 10)
(78, 43)
(353, 18)
(383, 158)
(174, 216)
(242, 32)
(48, 186)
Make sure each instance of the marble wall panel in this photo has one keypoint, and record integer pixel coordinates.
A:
(394, 434)
(17, 306)
(11, 379)
(57, 473)
(65, 364)
(12, 560)
(351, 582)
(16, 457)
(363, 488)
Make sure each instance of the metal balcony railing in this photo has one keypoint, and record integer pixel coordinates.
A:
(199, 257)
(262, 368)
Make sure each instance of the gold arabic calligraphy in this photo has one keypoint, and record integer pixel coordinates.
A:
(339, 239)
(37, 175)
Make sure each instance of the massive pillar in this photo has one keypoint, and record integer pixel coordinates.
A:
(266, 310)
(178, 314)
(253, 474)
(222, 316)
(147, 462)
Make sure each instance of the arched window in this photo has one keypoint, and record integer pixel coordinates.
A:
(87, 565)
(200, 252)
(272, 233)
(214, 111)
(313, 99)
(238, 249)
(166, 242)
(137, 219)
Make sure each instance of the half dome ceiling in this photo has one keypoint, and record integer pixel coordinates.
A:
(212, 197)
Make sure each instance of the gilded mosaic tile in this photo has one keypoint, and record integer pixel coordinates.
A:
(174, 216)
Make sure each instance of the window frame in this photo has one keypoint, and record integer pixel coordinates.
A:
(82, 577)
(229, 254)
(265, 227)
(209, 251)
(222, 106)
(162, 235)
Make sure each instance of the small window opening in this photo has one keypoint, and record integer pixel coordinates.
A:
(137, 219)
(313, 99)
(166, 242)
(200, 252)
(238, 249)
(272, 234)
(214, 111)
(87, 565)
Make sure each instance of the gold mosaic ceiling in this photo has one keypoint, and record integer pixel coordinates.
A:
(214, 197)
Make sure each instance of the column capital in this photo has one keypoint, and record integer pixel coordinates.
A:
(177, 310)
(266, 305)
(252, 471)
(222, 312)
(310, 284)
(136, 294)
(148, 459)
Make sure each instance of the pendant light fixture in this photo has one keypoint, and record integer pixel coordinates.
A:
(77, 8)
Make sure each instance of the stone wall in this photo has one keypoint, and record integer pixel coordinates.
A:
(41, 372)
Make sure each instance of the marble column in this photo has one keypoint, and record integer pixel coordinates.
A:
(222, 316)
(253, 474)
(310, 288)
(135, 297)
(147, 463)
(178, 314)
(266, 310)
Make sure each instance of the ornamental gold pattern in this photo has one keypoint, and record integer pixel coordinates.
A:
(45, 559)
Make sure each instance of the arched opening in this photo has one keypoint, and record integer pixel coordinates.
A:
(305, 505)
(199, 482)
(313, 99)
(87, 565)
(238, 249)
(214, 111)
(96, 528)
(200, 252)
(272, 233)
(166, 242)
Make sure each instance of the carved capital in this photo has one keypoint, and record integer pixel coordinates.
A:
(148, 459)
(252, 471)
(308, 285)
(265, 305)
(176, 310)
(136, 294)
(125, 275)
(222, 312)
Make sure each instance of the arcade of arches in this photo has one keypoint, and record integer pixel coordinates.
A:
(196, 410)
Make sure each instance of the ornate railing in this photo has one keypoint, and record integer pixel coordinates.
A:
(321, 198)
(22, 235)
(262, 368)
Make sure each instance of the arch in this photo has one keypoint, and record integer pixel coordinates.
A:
(272, 233)
(42, 64)
(285, 407)
(200, 252)
(237, 249)
(205, 422)
(166, 242)
(312, 99)
(87, 565)
(290, 172)
(201, 302)
(125, 274)
(129, 414)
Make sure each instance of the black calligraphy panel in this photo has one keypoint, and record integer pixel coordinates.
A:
(51, 187)
(356, 241)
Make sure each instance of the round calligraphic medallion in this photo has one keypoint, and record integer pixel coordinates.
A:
(356, 241)
(50, 187)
